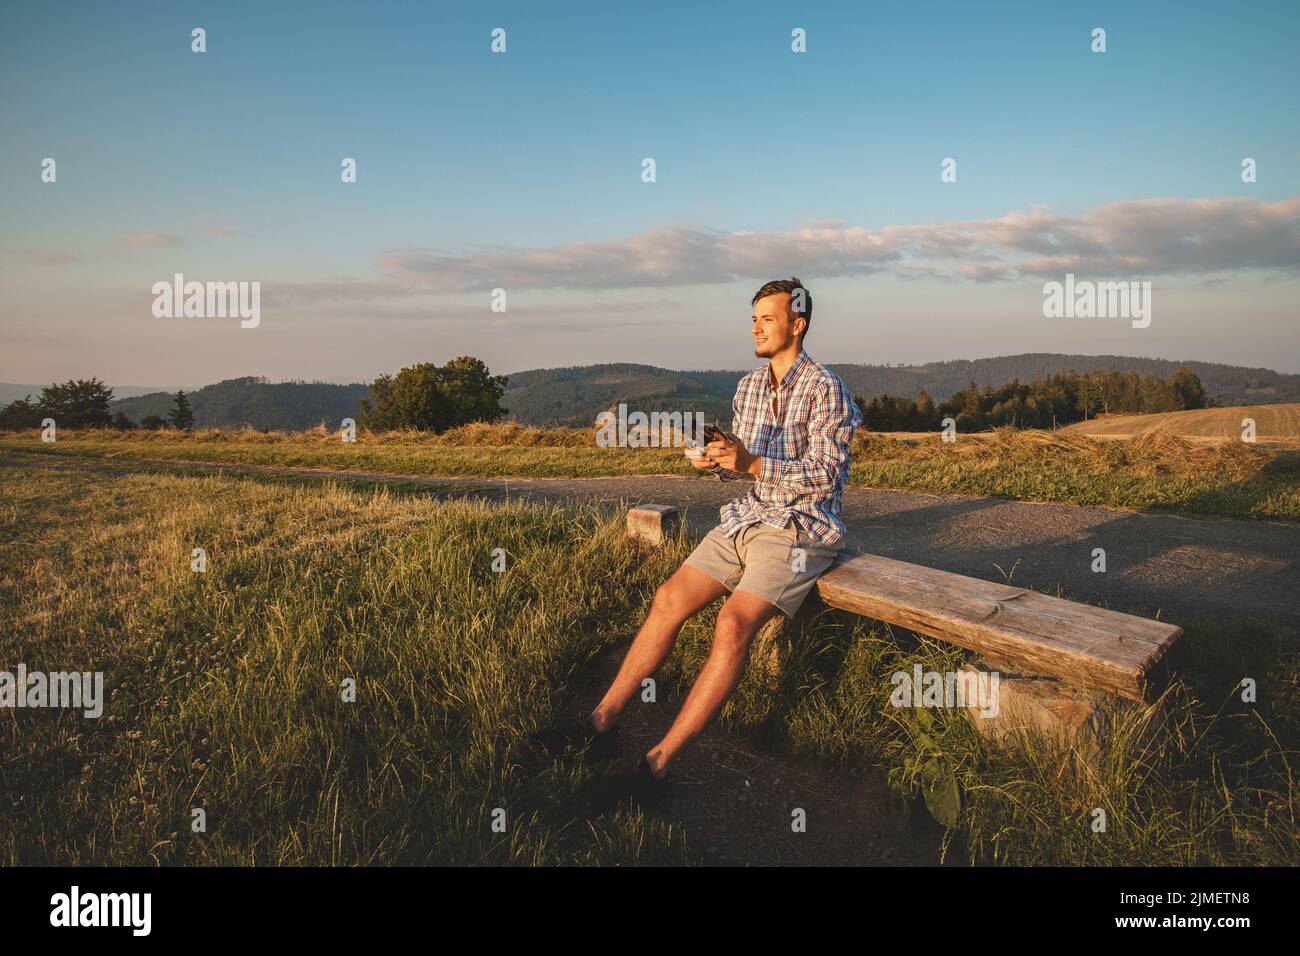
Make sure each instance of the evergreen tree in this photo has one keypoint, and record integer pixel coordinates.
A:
(182, 415)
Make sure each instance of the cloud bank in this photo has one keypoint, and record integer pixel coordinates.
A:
(1146, 237)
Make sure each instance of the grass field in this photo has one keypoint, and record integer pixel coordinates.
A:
(1159, 473)
(225, 694)
(1273, 423)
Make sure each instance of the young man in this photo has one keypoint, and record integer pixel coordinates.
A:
(794, 421)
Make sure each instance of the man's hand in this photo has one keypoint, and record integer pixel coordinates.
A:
(702, 461)
(732, 455)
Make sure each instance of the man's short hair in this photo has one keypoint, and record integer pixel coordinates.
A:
(793, 286)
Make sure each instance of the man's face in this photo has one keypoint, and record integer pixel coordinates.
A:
(774, 330)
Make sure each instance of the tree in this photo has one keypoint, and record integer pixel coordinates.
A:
(182, 415)
(472, 392)
(122, 422)
(429, 398)
(1187, 388)
(927, 415)
(873, 414)
(20, 415)
(1088, 402)
(77, 404)
(412, 399)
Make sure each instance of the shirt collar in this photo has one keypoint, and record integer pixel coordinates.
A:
(802, 361)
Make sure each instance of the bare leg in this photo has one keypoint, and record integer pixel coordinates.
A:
(739, 622)
(688, 591)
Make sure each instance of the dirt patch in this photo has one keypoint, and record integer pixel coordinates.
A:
(734, 798)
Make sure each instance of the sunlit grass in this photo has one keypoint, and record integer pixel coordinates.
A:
(225, 693)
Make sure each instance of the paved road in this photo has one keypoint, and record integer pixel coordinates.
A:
(1186, 570)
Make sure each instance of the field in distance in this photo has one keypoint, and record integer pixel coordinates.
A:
(1233, 479)
(1273, 423)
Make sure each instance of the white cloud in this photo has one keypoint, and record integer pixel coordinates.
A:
(1139, 237)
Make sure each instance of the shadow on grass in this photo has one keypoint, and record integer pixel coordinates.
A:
(1280, 475)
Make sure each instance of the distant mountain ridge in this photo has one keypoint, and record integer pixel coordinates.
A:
(573, 396)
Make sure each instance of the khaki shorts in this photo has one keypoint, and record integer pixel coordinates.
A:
(762, 560)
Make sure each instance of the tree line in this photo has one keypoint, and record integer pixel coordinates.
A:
(1043, 403)
(429, 397)
(85, 403)
(425, 397)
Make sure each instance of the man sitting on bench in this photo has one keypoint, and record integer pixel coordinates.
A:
(793, 425)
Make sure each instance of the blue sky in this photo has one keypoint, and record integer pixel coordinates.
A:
(522, 170)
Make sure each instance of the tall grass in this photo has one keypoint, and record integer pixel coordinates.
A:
(226, 693)
(226, 685)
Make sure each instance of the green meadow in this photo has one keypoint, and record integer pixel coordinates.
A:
(226, 690)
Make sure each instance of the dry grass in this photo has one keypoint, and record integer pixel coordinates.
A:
(1157, 472)
(1273, 423)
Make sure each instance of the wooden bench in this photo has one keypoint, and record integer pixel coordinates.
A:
(1084, 646)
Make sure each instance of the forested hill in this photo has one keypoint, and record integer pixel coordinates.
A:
(1226, 384)
(575, 395)
(281, 406)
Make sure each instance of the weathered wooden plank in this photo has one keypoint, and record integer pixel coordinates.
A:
(1081, 644)
(1106, 624)
(997, 629)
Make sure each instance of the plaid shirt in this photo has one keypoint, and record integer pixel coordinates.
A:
(803, 447)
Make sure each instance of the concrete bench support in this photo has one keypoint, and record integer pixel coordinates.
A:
(1042, 708)
(653, 524)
